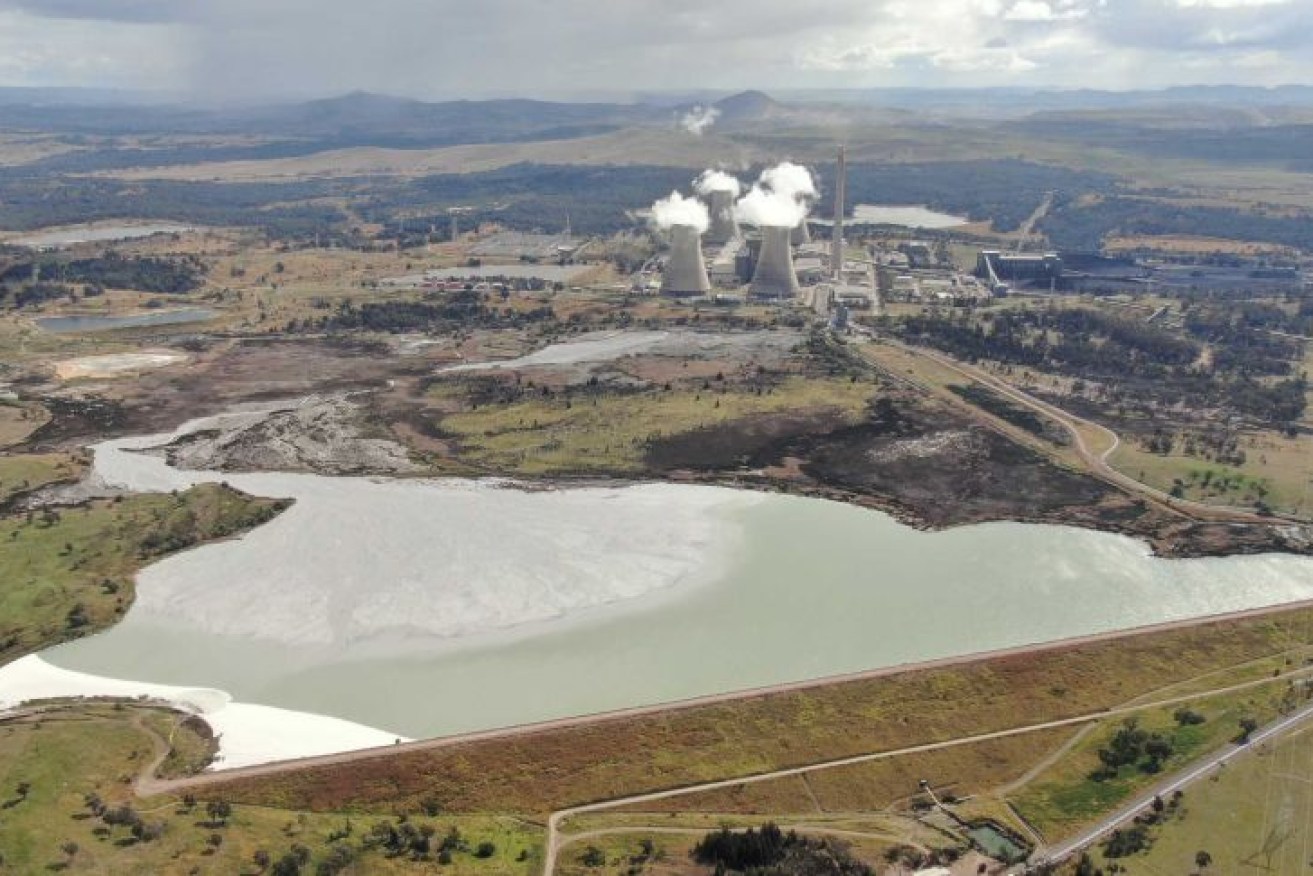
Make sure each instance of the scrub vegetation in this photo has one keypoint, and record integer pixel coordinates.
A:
(65, 811)
(68, 572)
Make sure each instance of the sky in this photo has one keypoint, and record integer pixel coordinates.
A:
(257, 50)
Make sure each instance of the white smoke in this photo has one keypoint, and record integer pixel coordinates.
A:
(679, 210)
(698, 119)
(780, 197)
(717, 181)
(789, 178)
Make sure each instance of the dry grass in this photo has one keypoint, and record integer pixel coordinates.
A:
(613, 758)
(610, 433)
(1190, 245)
(32, 471)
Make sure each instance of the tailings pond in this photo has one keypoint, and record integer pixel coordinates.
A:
(433, 607)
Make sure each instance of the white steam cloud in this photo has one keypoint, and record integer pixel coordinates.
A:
(697, 120)
(781, 197)
(679, 210)
(788, 178)
(717, 181)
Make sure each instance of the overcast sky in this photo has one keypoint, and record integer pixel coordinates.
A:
(268, 49)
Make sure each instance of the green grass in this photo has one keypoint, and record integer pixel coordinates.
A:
(26, 472)
(1253, 815)
(51, 758)
(69, 572)
(610, 433)
(1065, 796)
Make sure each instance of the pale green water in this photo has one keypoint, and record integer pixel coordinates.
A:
(815, 588)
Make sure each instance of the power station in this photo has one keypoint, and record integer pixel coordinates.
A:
(774, 276)
(774, 255)
(686, 271)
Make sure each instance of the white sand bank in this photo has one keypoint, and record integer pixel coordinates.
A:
(248, 734)
(116, 364)
(595, 347)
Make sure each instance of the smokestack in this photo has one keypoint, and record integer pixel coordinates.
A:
(686, 272)
(775, 277)
(840, 194)
(723, 227)
(801, 233)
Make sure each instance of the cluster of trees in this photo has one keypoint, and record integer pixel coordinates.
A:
(282, 210)
(170, 276)
(1132, 745)
(1082, 224)
(445, 313)
(1241, 335)
(1157, 364)
(139, 830)
(771, 852)
(1006, 191)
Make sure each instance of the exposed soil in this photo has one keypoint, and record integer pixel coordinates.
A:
(325, 435)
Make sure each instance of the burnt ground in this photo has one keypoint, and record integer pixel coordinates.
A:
(933, 468)
(916, 458)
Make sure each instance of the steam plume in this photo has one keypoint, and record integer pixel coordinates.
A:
(679, 210)
(717, 181)
(698, 119)
(780, 197)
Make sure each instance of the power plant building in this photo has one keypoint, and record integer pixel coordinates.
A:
(774, 275)
(686, 271)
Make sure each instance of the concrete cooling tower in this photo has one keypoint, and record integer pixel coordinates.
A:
(686, 272)
(723, 227)
(774, 276)
(801, 234)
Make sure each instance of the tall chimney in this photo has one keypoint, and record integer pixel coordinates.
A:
(686, 272)
(801, 233)
(775, 277)
(720, 204)
(840, 193)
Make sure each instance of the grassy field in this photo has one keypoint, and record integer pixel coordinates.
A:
(603, 760)
(1254, 815)
(47, 824)
(1277, 471)
(1066, 796)
(69, 572)
(610, 433)
(31, 471)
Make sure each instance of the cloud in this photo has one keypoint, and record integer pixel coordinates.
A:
(452, 48)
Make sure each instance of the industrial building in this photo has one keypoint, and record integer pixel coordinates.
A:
(686, 271)
(1000, 269)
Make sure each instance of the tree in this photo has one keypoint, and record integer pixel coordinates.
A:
(218, 810)
(261, 859)
(485, 849)
(593, 857)
(1202, 859)
(1247, 727)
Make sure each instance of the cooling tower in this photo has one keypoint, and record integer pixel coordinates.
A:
(723, 227)
(775, 277)
(801, 234)
(686, 272)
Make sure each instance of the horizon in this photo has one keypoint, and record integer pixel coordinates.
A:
(244, 50)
